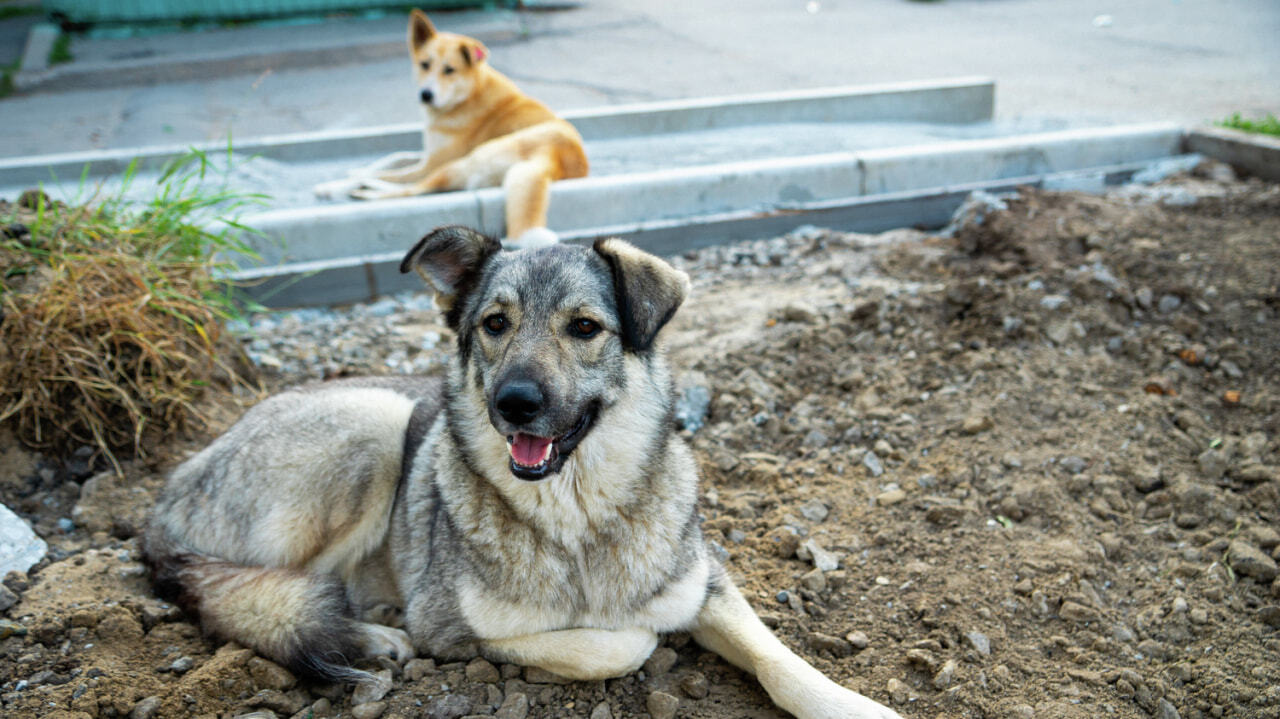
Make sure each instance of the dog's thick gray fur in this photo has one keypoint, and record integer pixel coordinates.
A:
(536, 503)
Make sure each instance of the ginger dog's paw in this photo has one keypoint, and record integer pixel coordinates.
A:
(841, 703)
(333, 189)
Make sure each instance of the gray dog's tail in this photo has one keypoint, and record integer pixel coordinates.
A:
(298, 619)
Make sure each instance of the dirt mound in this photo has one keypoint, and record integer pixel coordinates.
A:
(1029, 470)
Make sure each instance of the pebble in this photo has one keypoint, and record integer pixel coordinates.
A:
(898, 691)
(7, 598)
(820, 642)
(1250, 561)
(1075, 612)
(695, 685)
(481, 670)
(269, 675)
(662, 705)
(661, 661)
(1168, 303)
(979, 642)
(1270, 615)
(814, 580)
(1073, 464)
(1165, 710)
(372, 710)
(418, 668)
(450, 706)
(872, 463)
(822, 559)
(945, 675)
(602, 711)
(857, 639)
(814, 510)
(890, 497)
(516, 706)
(145, 709)
(372, 690)
(182, 665)
(1144, 297)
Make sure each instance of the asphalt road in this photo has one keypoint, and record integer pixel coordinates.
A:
(1087, 60)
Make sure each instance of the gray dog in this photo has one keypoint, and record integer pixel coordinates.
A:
(536, 503)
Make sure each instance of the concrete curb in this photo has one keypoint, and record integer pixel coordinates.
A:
(495, 29)
(365, 276)
(1256, 154)
(956, 100)
(339, 253)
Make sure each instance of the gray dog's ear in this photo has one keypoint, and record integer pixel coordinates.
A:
(449, 260)
(647, 289)
(420, 29)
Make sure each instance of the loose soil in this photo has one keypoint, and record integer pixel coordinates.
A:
(1044, 451)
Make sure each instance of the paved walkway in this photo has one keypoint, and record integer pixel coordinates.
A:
(1182, 60)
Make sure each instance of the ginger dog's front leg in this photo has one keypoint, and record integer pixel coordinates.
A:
(728, 626)
(579, 654)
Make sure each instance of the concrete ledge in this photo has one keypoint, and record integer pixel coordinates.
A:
(685, 194)
(959, 100)
(1256, 154)
(362, 277)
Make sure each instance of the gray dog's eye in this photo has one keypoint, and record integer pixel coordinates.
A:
(495, 324)
(584, 328)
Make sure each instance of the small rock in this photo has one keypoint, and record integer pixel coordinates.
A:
(416, 669)
(660, 662)
(372, 690)
(784, 541)
(695, 685)
(1264, 537)
(945, 675)
(1072, 611)
(1168, 303)
(1257, 473)
(890, 497)
(979, 642)
(923, 658)
(1250, 561)
(1165, 710)
(372, 710)
(801, 312)
(825, 642)
(976, 423)
(269, 675)
(481, 670)
(898, 691)
(450, 706)
(20, 548)
(182, 665)
(822, 559)
(662, 705)
(814, 580)
(1073, 464)
(857, 639)
(814, 510)
(602, 711)
(1270, 615)
(516, 706)
(145, 709)
(872, 463)
(7, 598)
(1198, 616)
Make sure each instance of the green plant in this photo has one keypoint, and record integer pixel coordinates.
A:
(1269, 125)
(113, 312)
(61, 50)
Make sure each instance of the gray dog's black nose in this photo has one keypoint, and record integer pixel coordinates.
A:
(426, 95)
(519, 401)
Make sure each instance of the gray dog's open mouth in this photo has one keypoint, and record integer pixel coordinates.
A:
(533, 457)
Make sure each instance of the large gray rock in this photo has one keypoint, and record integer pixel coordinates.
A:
(19, 546)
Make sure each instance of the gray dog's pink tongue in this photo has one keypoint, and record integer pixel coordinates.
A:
(528, 450)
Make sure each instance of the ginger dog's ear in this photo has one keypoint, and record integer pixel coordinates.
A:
(420, 29)
(449, 259)
(474, 53)
(647, 289)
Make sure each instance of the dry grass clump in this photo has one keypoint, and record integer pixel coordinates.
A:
(112, 319)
